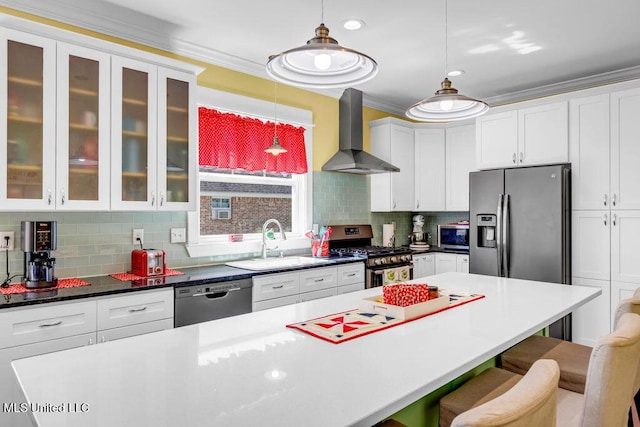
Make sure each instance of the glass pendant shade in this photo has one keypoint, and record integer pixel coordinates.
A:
(275, 148)
(447, 105)
(321, 63)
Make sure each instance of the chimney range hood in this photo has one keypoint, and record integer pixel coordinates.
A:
(350, 158)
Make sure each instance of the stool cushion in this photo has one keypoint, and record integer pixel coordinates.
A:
(572, 358)
(482, 388)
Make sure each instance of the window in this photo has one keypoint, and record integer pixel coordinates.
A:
(235, 203)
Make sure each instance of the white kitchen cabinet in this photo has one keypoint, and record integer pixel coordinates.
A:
(134, 314)
(424, 265)
(392, 141)
(524, 137)
(429, 169)
(9, 391)
(350, 277)
(589, 152)
(462, 263)
(590, 244)
(460, 160)
(620, 291)
(625, 234)
(83, 128)
(446, 263)
(625, 155)
(275, 290)
(27, 121)
(593, 319)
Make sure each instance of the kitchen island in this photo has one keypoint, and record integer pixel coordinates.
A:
(251, 370)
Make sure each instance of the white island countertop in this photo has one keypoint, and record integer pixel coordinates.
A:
(250, 370)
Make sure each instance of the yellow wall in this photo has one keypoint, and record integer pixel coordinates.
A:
(324, 108)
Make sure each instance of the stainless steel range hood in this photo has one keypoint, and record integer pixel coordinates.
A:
(350, 158)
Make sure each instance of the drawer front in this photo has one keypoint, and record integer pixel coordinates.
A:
(133, 330)
(31, 325)
(275, 286)
(275, 302)
(322, 293)
(351, 273)
(138, 307)
(350, 288)
(316, 279)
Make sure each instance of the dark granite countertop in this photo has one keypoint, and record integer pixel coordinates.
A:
(107, 285)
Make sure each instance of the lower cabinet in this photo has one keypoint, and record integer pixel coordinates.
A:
(451, 263)
(593, 319)
(275, 290)
(31, 331)
(424, 265)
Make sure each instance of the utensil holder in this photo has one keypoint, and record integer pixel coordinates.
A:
(324, 249)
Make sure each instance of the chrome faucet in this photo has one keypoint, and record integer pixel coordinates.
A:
(264, 235)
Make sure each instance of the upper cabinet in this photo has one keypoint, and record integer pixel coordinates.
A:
(392, 141)
(27, 121)
(429, 169)
(524, 137)
(88, 129)
(460, 160)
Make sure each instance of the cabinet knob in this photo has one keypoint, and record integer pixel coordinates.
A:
(604, 200)
(153, 198)
(521, 157)
(62, 196)
(514, 158)
(417, 204)
(613, 219)
(49, 197)
(161, 198)
(604, 219)
(613, 199)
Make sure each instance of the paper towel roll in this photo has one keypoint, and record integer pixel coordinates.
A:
(388, 238)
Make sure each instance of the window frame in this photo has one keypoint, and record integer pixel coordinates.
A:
(219, 245)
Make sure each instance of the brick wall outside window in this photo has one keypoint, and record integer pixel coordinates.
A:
(247, 215)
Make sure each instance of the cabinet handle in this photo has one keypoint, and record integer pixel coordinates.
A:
(319, 280)
(613, 200)
(47, 325)
(136, 310)
(604, 201)
(49, 197)
(521, 157)
(62, 196)
(604, 219)
(153, 198)
(514, 158)
(277, 287)
(103, 339)
(162, 198)
(613, 219)
(417, 204)
(351, 275)
(90, 341)
(394, 205)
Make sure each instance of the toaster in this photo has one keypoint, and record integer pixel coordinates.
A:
(148, 262)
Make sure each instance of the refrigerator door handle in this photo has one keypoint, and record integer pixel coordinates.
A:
(499, 232)
(505, 235)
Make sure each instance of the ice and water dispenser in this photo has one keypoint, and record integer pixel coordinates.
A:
(486, 231)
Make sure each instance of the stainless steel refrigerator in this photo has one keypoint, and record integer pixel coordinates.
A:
(520, 226)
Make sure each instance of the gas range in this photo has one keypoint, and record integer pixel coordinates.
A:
(383, 263)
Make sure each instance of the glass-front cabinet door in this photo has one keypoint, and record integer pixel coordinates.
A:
(83, 128)
(177, 133)
(133, 135)
(27, 121)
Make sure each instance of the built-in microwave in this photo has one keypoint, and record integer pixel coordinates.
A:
(454, 235)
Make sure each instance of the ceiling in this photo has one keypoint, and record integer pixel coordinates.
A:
(510, 50)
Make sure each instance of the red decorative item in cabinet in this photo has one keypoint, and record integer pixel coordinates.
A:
(405, 294)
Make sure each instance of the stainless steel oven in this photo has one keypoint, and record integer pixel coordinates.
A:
(383, 264)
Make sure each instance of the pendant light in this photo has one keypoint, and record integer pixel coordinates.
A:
(275, 148)
(321, 63)
(446, 105)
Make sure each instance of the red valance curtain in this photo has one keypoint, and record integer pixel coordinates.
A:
(230, 141)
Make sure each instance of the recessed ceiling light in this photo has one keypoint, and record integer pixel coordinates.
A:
(353, 24)
(455, 73)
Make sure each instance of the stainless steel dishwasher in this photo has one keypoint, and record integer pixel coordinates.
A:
(201, 303)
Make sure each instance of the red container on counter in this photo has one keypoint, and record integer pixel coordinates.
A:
(404, 294)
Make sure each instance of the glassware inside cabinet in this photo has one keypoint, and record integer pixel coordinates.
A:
(24, 121)
(83, 128)
(177, 122)
(135, 106)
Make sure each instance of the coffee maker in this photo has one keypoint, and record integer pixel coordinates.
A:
(419, 238)
(38, 239)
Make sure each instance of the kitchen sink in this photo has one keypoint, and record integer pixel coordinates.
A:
(261, 264)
